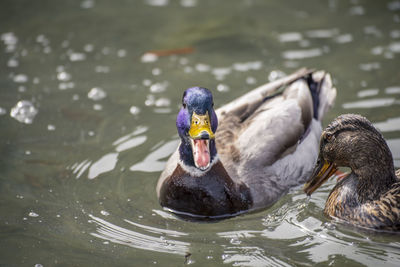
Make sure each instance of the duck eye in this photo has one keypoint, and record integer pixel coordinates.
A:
(328, 136)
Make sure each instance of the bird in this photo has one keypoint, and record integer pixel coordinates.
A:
(266, 143)
(369, 196)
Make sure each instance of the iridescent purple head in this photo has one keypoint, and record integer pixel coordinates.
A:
(197, 124)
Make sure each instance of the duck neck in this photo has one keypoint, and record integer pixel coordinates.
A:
(372, 182)
(186, 152)
(374, 172)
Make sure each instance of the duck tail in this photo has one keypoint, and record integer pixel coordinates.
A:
(322, 91)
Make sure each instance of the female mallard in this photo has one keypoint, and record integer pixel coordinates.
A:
(267, 142)
(370, 195)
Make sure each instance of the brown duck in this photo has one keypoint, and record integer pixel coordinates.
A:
(370, 195)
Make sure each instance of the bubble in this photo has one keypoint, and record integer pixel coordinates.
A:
(96, 94)
(24, 112)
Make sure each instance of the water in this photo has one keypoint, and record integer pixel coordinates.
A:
(102, 82)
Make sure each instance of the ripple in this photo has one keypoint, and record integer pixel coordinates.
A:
(24, 111)
(390, 125)
(322, 33)
(153, 163)
(123, 236)
(392, 90)
(367, 92)
(131, 143)
(301, 54)
(246, 66)
(105, 164)
(290, 37)
(371, 103)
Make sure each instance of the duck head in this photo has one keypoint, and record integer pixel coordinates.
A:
(351, 141)
(197, 124)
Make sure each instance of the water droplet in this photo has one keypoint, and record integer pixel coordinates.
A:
(75, 56)
(149, 57)
(105, 213)
(12, 63)
(134, 110)
(222, 87)
(159, 87)
(38, 265)
(33, 214)
(20, 78)
(91, 133)
(156, 71)
(28, 152)
(162, 102)
(88, 48)
(188, 3)
(51, 127)
(97, 107)
(275, 75)
(2, 111)
(251, 80)
(157, 2)
(202, 67)
(96, 94)
(121, 53)
(86, 4)
(24, 112)
(63, 76)
(102, 69)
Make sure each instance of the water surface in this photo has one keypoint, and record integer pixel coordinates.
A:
(87, 119)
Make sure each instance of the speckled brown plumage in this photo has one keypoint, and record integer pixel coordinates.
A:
(370, 195)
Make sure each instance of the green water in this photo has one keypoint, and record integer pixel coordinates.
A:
(77, 184)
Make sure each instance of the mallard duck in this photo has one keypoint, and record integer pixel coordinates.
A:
(370, 195)
(267, 142)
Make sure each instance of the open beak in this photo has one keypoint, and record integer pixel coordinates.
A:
(322, 171)
(200, 134)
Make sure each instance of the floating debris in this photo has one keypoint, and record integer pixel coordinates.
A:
(24, 112)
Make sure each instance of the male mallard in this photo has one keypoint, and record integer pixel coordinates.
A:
(370, 195)
(267, 142)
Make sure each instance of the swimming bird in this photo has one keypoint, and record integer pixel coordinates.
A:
(369, 196)
(267, 142)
